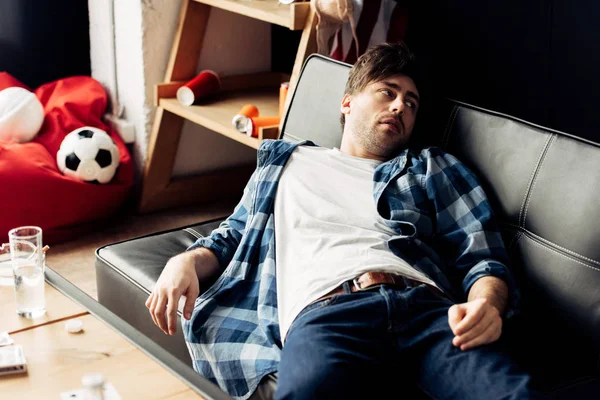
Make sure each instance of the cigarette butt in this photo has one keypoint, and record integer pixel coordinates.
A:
(44, 249)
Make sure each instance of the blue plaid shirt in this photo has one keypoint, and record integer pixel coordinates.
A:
(444, 225)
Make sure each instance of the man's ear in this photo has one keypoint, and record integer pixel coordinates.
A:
(345, 106)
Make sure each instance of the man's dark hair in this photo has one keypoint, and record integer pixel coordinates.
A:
(380, 62)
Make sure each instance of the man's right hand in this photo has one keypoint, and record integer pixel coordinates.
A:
(177, 279)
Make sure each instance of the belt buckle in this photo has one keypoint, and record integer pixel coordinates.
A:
(357, 285)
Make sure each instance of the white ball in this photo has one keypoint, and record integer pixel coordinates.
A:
(21, 115)
(88, 154)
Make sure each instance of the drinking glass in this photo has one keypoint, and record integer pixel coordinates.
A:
(6, 273)
(27, 259)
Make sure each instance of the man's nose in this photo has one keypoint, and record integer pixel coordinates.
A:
(397, 106)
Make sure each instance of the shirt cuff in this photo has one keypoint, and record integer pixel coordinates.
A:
(498, 270)
(220, 251)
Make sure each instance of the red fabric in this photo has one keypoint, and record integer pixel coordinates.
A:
(398, 24)
(7, 80)
(34, 191)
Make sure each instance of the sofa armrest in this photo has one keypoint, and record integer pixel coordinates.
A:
(127, 271)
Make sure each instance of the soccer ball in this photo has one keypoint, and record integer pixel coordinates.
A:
(88, 154)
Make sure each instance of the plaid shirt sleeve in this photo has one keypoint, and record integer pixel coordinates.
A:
(465, 224)
(225, 240)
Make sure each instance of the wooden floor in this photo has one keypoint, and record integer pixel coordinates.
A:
(74, 260)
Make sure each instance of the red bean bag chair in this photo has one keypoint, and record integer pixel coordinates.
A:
(32, 189)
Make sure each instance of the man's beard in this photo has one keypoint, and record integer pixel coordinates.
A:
(378, 143)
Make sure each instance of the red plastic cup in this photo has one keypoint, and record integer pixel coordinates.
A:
(206, 83)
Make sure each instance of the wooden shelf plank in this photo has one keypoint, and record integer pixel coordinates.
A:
(216, 113)
(188, 40)
(165, 136)
(228, 83)
(291, 16)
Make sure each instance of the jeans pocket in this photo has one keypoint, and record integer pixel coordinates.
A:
(316, 305)
(427, 295)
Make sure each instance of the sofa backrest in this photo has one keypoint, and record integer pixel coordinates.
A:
(317, 98)
(544, 187)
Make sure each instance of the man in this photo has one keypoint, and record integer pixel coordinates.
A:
(368, 244)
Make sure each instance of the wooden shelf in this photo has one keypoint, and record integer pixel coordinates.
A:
(216, 113)
(159, 188)
(292, 16)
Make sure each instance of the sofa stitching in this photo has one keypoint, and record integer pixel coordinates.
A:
(193, 232)
(531, 178)
(514, 241)
(565, 255)
(153, 234)
(447, 139)
(537, 174)
(518, 237)
(449, 126)
(549, 243)
(127, 277)
(573, 253)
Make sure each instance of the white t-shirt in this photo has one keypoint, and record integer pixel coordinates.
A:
(327, 229)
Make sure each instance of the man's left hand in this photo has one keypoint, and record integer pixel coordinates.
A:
(474, 323)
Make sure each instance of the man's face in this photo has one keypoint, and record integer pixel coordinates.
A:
(380, 118)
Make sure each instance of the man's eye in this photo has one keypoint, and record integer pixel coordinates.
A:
(412, 104)
(386, 92)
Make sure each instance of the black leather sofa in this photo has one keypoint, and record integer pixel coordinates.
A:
(544, 186)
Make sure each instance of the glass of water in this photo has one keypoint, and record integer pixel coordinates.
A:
(6, 274)
(27, 259)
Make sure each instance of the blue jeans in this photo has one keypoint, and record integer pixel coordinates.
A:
(379, 343)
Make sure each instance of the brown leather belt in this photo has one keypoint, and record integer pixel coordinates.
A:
(370, 280)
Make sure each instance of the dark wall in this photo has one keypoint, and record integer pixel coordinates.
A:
(538, 60)
(41, 41)
(284, 46)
